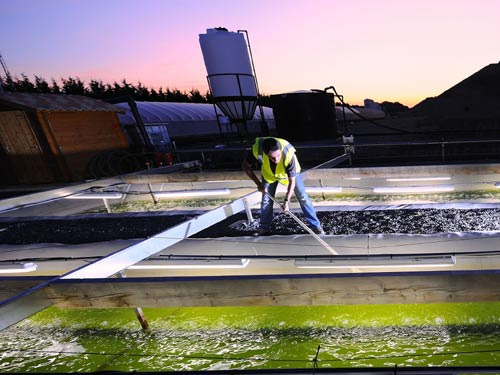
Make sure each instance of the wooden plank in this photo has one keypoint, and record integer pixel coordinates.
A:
(115, 124)
(279, 290)
(11, 286)
(23, 148)
(67, 173)
(86, 131)
(82, 135)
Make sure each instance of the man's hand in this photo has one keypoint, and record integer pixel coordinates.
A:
(285, 206)
(261, 187)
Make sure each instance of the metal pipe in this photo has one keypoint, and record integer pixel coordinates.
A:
(147, 144)
(152, 194)
(333, 146)
(280, 257)
(106, 204)
(248, 211)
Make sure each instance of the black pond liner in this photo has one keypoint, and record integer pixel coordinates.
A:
(74, 230)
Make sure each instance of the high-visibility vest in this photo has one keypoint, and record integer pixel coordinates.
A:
(288, 152)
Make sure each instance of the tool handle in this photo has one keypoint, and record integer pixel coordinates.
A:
(309, 230)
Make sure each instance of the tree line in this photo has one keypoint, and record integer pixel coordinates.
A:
(99, 90)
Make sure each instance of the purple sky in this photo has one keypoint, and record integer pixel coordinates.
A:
(397, 50)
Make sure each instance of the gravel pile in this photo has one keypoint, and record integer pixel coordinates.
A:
(77, 230)
(415, 221)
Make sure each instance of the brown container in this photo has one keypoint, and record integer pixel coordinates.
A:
(49, 137)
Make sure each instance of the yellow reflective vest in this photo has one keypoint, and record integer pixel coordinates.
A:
(288, 152)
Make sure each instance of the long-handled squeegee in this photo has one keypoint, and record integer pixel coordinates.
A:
(303, 225)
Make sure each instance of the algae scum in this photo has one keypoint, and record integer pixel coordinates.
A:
(465, 334)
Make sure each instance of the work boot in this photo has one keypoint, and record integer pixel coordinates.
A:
(318, 230)
(262, 232)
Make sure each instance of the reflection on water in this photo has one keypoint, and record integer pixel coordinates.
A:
(256, 337)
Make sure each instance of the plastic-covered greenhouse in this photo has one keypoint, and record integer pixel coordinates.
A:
(165, 120)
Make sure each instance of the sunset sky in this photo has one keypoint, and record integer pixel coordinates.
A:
(395, 50)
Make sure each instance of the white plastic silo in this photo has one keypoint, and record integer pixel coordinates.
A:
(229, 73)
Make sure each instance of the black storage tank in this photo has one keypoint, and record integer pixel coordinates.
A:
(304, 115)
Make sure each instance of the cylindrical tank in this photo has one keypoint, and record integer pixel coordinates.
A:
(229, 73)
(304, 115)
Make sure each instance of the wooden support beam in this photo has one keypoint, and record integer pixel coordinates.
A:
(138, 311)
(13, 285)
(279, 290)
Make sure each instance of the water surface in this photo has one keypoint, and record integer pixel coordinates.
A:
(466, 334)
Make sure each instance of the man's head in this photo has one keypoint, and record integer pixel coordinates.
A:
(272, 149)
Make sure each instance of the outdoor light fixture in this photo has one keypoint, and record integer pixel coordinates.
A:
(352, 178)
(414, 189)
(221, 181)
(17, 267)
(378, 262)
(104, 195)
(419, 179)
(191, 264)
(96, 195)
(324, 189)
(192, 193)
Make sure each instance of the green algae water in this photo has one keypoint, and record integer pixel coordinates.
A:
(219, 338)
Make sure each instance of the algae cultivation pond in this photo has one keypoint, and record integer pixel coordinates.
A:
(219, 338)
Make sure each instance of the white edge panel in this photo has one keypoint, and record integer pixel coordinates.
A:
(44, 196)
(129, 256)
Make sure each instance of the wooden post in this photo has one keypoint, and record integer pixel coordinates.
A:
(138, 311)
(142, 319)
